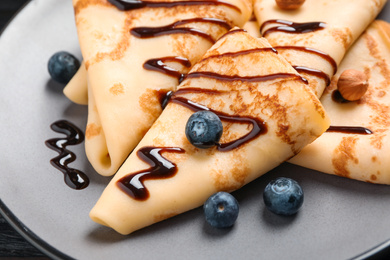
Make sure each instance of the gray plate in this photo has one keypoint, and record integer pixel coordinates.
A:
(340, 218)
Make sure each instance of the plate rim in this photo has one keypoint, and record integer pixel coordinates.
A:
(377, 252)
(30, 236)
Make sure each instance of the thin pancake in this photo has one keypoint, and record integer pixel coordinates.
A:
(326, 30)
(268, 113)
(124, 96)
(357, 156)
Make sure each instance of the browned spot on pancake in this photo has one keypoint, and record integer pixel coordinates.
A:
(234, 175)
(343, 36)
(381, 94)
(240, 173)
(279, 115)
(343, 155)
(92, 130)
(122, 45)
(373, 159)
(82, 4)
(150, 104)
(373, 177)
(117, 89)
(161, 217)
(221, 180)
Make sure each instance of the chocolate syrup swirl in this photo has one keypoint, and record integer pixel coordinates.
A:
(72, 177)
(150, 32)
(160, 168)
(126, 5)
(350, 130)
(314, 72)
(291, 27)
(160, 66)
(258, 127)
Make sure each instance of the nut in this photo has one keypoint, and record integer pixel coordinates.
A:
(289, 4)
(352, 84)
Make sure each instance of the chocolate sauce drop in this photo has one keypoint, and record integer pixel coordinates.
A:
(160, 168)
(350, 130)
(291, 27)
(314, 72)
(160, 66)
(74, 178)
(165, 99)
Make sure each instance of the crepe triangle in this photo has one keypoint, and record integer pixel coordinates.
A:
(242, 79)
(357, 156)
(123, 96)
(315, 37)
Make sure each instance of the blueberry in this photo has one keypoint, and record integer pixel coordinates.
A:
(204, 129)
(62, 66)
(283, 196)
(221, 210)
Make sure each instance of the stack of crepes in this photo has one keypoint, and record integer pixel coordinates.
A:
(269, 111)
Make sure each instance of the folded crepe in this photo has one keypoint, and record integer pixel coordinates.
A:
(134, 53)
(77, 88)
(358, 156)
(268, 113)
(315, 37)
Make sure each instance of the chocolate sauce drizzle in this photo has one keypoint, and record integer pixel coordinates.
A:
(150, 32)
(314, 72)
(319, 53)
(126, 5)
(212, 75)
(291, 27)
(160, 66)
(240, 53)
(160, 168)
(232, 31)
(258, 127)
(350, 130)
(74, 178)
(132, 184)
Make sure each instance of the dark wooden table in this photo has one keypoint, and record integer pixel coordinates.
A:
(12, 245)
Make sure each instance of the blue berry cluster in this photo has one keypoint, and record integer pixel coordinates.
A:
(282, 196)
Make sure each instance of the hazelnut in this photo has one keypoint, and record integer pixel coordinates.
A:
(289, 4)
(352, 84)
